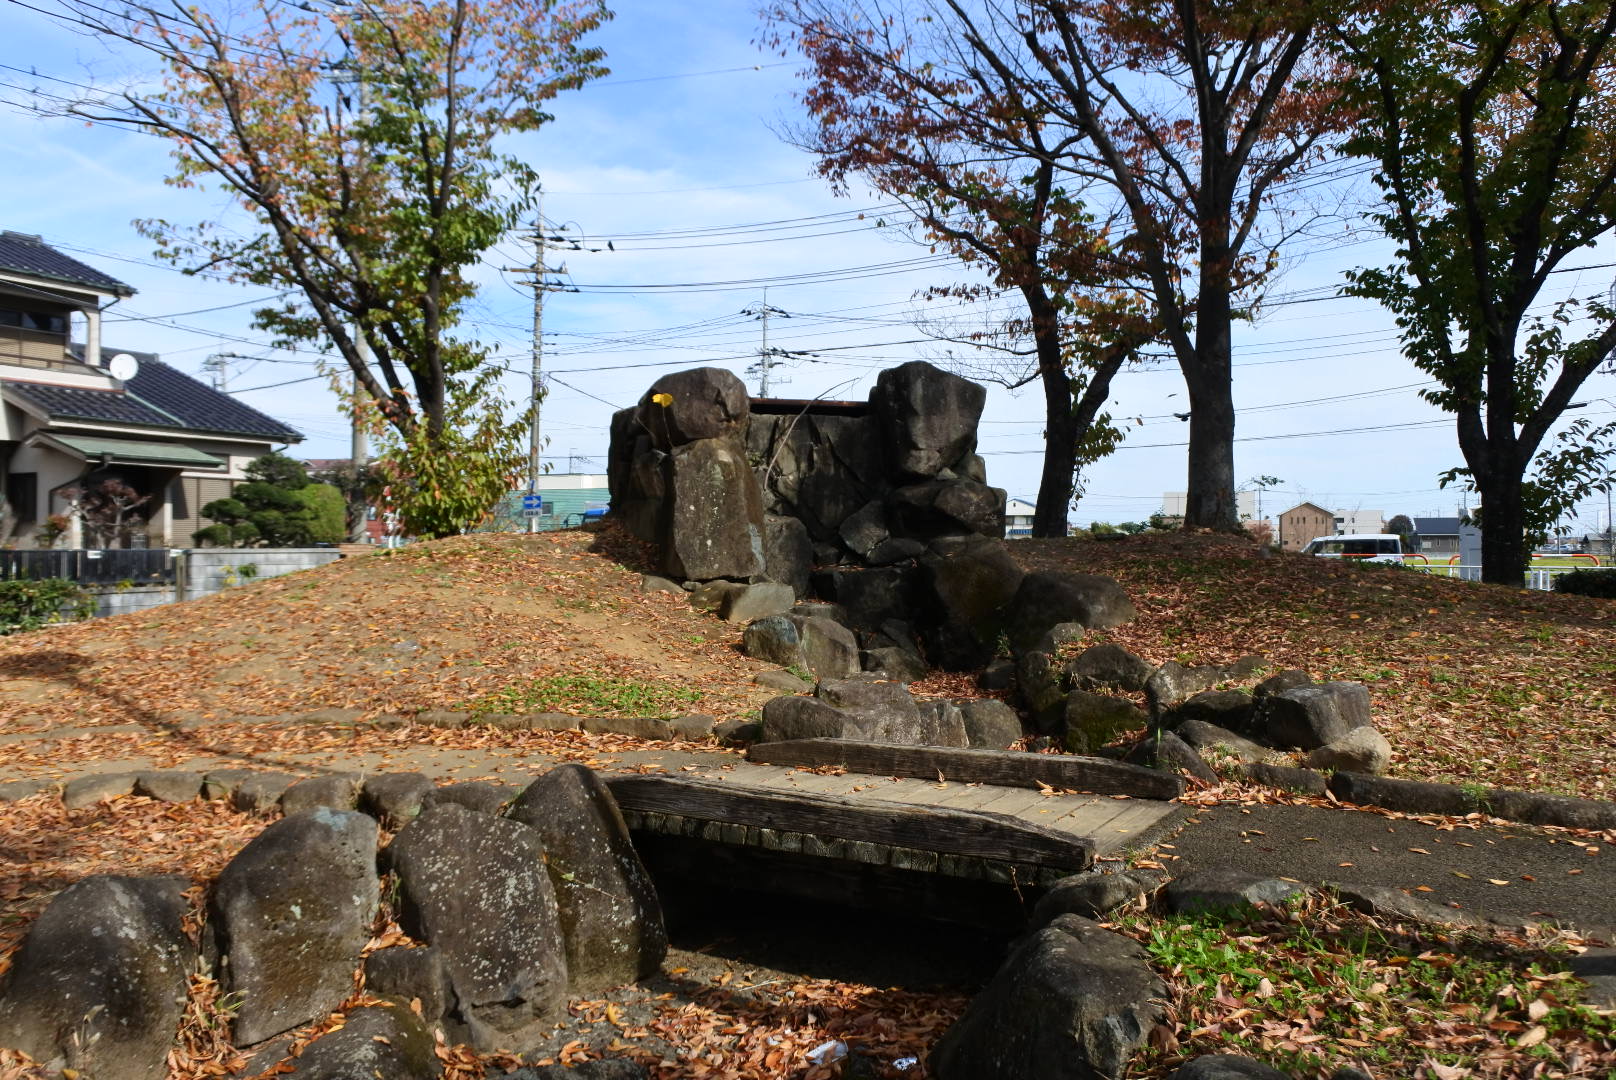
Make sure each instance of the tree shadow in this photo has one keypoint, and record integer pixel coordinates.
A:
(71, 668)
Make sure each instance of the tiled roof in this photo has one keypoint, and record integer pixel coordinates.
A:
(198, 405)
(1437, 526)
(24, 254)
(158, 396)
(77, 403)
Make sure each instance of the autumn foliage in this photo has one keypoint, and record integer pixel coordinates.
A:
(360, 144)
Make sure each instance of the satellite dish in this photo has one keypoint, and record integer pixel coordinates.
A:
(123, 367)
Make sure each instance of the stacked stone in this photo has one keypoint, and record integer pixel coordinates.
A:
(884, 513)
(513, 912)
(726, 493)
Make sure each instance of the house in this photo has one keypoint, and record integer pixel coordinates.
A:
(1436, 536)
(1018, 514)
(75, 413)
(1302, 523)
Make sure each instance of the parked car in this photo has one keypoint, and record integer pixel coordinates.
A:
(1370, 547)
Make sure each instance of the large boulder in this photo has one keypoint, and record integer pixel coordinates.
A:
(866, 529)
(377, 1041)
(897, 664)
(1361, 750)
(876, 710)
(407, 975)
(928, 417)
(774, 639)
(936, 508)
(1041, 689)
(1312, 716)
(688, 406)
(1229, 709)
(829, 649)
(942, 723)
(715, 513)
(1173, 683)
(788, 553)
(968, 583)
(292, 911)
(1091, 896)
(336, 791)
(474, 887)
(395, 798)
(869, 598)
(1108, 667)
(99, 983)
(611, 919)
(751, 602)
(786, 718)
(1212, 740)
(1072, 1002)
(1092, 720)
(1226, 888)
(990, 724)
(1047, 598)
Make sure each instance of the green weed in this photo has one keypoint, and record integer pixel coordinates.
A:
(599, 695)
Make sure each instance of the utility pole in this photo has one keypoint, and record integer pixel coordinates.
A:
(218, 365)
(766, 355)
(540, 286)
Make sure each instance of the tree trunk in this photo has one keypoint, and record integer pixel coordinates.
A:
(1060, 423)
(1056, 484)
(1503, 530)
(1210, 502)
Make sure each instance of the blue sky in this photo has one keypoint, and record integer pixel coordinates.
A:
(665, 158)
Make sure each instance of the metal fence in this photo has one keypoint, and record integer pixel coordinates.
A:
(142, 566)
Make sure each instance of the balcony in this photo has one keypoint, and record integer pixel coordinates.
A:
(36, 349)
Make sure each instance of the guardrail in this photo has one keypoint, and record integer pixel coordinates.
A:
(1540, 578)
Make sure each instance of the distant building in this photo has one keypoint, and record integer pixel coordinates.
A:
(565, 497)
(1360, 521)
(1245, 504)
(1018, 514)
(1302, 523)
(1436, 535)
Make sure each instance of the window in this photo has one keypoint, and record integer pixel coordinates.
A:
(50, 322)
(22, 496)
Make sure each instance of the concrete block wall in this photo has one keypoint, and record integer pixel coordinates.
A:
(209, 570)
(114, 601)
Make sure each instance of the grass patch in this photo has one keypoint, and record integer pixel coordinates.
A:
(1319, 986)
(596, 695)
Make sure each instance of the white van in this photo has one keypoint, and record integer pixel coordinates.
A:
(1368, 547)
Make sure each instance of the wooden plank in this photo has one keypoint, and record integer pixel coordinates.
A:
(907, 791)
(1007, 768)
(987, 836)
(784, 780)
(961, 796)
(1087, 818)
(1015, 801)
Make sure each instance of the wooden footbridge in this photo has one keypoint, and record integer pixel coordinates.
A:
(872, 821)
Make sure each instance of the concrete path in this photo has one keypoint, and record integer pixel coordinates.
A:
(1546, 877)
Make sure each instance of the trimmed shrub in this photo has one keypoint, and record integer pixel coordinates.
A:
(29, 604)
(1600, 583)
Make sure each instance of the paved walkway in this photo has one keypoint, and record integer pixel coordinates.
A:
(1514, 874)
